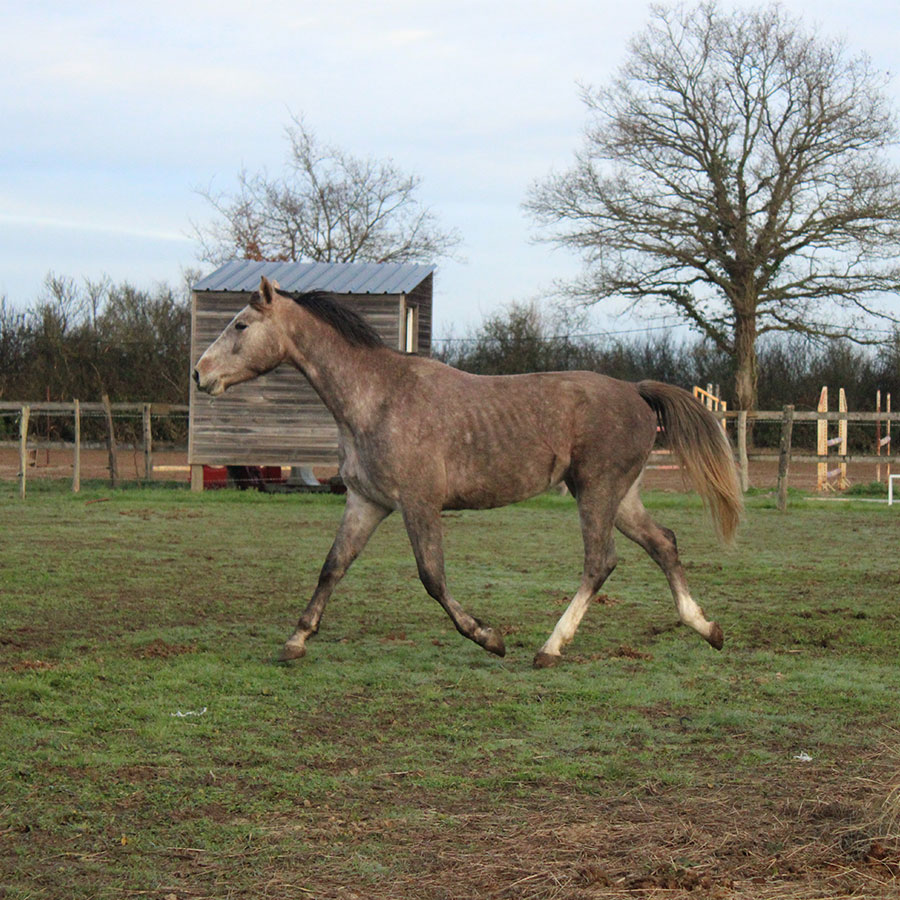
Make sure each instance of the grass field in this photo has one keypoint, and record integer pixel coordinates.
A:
(151, 747)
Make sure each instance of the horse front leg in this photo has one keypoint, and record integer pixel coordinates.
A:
(423, 525)
(361, 518)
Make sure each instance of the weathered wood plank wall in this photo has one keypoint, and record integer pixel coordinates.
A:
(421, 298)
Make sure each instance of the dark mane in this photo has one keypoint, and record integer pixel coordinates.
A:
(346, 322)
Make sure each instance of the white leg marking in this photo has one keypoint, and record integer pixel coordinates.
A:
(298, 638)
(691, 614)
(568, 623)
(295, 646)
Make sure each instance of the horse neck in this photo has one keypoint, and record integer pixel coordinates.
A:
(350, 380)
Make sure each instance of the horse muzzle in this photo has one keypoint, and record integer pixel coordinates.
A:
(209, 385)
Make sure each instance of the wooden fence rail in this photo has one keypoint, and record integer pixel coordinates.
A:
(811, 416)
(98, 408)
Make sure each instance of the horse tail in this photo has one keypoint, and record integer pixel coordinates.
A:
(698, 440)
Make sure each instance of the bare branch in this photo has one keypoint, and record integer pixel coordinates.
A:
(328, 206)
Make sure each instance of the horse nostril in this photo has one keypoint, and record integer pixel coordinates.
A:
(197, 377)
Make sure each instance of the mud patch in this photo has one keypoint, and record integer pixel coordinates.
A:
(627, 652)
(31, 665)
(159, 649)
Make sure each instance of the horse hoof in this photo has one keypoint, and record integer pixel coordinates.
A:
(545, 660)
(493, 642)
(292, 651)
(716, 636)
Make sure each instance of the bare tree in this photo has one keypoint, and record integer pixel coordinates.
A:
(735, 172)
(328, 206)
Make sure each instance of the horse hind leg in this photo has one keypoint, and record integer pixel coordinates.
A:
(635, 523)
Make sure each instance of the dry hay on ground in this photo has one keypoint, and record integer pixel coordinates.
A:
(800, 836)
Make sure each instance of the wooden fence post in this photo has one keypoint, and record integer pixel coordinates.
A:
(887, 438)
(843, 484)
(76, 462)
(784, 456)
(742, 450)
(110, 442)
(23, 448)
(148, 444)
(822, 441)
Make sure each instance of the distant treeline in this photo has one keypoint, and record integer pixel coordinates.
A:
(86, 339)
(523, 338)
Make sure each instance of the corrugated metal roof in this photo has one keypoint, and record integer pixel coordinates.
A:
(340, 278)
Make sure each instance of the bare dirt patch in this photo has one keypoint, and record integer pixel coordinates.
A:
(31, 665)
(95, 464)
(159, 649)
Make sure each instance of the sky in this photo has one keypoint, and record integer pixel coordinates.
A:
(113, 115)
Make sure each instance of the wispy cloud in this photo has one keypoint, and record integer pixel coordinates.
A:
(92, 227)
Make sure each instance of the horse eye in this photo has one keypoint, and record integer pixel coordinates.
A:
(240, 326)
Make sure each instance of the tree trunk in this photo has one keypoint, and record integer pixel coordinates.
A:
(746, 375)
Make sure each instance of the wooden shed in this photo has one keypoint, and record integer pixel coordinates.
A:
(278, 419)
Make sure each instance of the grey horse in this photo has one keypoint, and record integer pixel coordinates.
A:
(418, 436)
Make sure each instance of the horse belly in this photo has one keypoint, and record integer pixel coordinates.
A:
(487, 473)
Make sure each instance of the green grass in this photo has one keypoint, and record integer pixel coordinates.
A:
(119, 610)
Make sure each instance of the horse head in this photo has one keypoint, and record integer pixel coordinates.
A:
(251, 344)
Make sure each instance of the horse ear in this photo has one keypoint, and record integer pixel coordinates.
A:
(267, 290)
